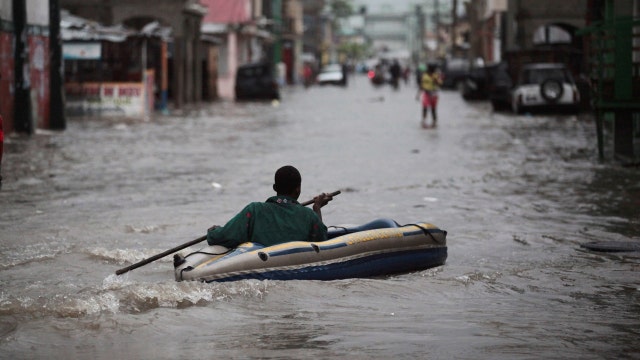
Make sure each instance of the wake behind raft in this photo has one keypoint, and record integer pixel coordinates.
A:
(379, 248)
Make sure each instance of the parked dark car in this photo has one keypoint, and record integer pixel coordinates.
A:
(499, 88)
(488, 83)
(256, 81)
(455, 70)
(476, 83)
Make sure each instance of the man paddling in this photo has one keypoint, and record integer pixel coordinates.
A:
(280, 219)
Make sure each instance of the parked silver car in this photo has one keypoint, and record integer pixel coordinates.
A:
(545, 86)
(332, 74)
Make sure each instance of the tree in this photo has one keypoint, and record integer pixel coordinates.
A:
(353, 50)
(341, 8)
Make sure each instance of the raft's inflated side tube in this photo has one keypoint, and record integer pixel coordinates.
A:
(336, 231)
(612, 246)
(364, 253)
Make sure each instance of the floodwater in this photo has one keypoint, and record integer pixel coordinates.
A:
(517, 195)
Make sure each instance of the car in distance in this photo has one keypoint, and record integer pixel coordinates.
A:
(331, 74)
(256, 81)
(544, 86)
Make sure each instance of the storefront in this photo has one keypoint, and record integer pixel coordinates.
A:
(112, 71)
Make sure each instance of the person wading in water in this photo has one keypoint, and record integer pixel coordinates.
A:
(430, 82)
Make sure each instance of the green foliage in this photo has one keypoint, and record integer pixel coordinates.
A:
(353, 50)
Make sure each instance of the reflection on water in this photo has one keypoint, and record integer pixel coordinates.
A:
(517, 195)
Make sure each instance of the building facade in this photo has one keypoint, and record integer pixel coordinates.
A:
(24, 65)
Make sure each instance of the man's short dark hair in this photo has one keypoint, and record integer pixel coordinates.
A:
(287, 179)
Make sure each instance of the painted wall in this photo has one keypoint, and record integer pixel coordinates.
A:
(6, 81)
(6, 66)
(38, 66)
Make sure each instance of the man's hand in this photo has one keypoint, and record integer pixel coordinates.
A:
(321, 200)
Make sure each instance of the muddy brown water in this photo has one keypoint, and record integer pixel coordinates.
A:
(518, 195)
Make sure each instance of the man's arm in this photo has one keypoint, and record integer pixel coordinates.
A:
(320, 201)
(234, 232)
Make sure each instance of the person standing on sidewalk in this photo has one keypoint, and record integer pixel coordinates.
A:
(430, 82)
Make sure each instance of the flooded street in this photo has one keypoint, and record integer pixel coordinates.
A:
(518, 195)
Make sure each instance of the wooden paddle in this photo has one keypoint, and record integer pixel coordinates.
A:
(185, 245)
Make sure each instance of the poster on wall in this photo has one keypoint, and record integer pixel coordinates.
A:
(81, 51)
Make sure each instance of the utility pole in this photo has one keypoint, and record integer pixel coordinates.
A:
(56, 69)
(276, 13)
(437, 27)
(22, 94)
(454, 24)
(419, 34)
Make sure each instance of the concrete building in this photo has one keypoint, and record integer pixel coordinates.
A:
(250, 31)
(184, 17)
(485, 29)
(239, 28)
(526, 20)
(501, 28)
(292, 38)
(314, 23)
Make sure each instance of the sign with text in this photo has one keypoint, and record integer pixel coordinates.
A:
(82, 51)
(107, 99)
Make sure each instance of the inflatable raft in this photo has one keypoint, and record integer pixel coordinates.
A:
(379, 248)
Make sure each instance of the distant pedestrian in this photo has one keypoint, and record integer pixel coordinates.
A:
(396, 71)
(430, 82)
(281, 71)
(345, 74)
(405, 74)
(307, 74)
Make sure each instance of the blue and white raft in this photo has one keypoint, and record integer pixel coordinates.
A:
(379, 248)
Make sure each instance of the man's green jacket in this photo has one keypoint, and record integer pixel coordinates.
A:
(278, 220)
